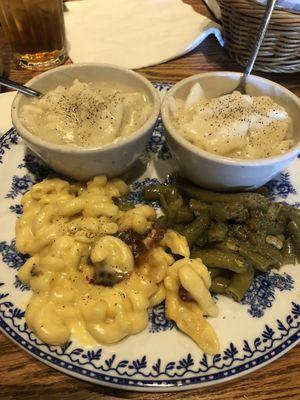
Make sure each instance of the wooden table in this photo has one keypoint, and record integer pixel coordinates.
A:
(23, 377)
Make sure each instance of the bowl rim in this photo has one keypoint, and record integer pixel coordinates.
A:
(73, 149)
(171, 130)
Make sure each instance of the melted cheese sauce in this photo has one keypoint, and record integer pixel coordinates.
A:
(69, 231)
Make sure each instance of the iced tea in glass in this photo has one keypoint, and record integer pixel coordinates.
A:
(36, 32)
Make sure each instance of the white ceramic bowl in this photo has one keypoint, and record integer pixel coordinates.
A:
(224, 173)
(84, 163)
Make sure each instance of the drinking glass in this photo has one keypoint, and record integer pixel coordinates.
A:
(36, 32)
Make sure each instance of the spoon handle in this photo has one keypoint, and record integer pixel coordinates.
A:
(20, 88)
(260, 36)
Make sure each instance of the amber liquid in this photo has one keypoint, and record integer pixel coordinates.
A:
(36, 31)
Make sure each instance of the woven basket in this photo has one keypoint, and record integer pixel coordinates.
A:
(280, 50)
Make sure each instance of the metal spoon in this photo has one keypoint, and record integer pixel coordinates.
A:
(20, 88)
(258, 41)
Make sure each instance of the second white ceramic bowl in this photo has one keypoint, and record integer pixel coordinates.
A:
(79, 162)
(224, 173)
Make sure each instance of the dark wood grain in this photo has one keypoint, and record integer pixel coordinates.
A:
(23, 377)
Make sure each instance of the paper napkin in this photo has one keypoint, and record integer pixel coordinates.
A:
(134, 33)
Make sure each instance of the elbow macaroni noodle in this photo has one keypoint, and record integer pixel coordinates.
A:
(68, 231)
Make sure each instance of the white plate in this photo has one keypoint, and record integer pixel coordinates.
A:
(253, 333)
(6, 100)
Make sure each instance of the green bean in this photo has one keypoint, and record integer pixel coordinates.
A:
(203, 239)
(288, 252)
(235, 211)
(255, 239)
(273, 211)
(270, 251)
(184, 215)
(215, 258)
(250, 200)
(153, 193)
(277, 227)
(217, 232)
(197, 205)
(172, 195)
(171, 201)
(289, 211)
(172, 211)
(163, 201)
(215, 272)
(294, 231)
(227, 245)
(219, 284)
(262, 256)
(194, 230)
(258, 222)
(240, 284)
(269, 254)
(166, 194)
(124, 205)
(239, 232)
(295, 211)
(258, 261)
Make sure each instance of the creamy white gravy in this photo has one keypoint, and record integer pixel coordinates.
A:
(233, 125)
(87, 114)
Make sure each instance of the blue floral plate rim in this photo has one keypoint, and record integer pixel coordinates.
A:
(151, 385)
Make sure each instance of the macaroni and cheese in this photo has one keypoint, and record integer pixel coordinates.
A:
(86, 276)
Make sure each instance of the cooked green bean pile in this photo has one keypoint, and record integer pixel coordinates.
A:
(235, 234)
